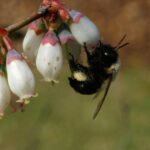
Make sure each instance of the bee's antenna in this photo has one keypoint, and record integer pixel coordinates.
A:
(119, 45)
(122, 39)
(123, 45)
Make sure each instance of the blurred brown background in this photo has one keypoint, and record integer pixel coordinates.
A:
(63, 121)
(113, 17)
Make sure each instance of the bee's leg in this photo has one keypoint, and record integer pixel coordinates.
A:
(86, 50)
(75, 66)
(72, 63)
(103, 99)
(70, 57)
(88, 54)
(85, 47)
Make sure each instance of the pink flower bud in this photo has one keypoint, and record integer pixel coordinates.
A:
(84, 30)
(5, 95)
(33, 39)
(65, 36)
(49, 59)
(20, 78)
(64, 15)
(69, 43)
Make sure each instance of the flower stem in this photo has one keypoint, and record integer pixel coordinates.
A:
(8, 42)
(28, 20)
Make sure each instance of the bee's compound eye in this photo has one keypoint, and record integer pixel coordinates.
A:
(106, 54)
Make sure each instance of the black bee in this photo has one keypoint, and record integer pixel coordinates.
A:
(103, 66)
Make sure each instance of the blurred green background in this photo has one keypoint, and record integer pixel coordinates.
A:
(59, 118)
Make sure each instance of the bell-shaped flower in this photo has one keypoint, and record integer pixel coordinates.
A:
(49, 59)
(20, 78)
(69, 44)
(33, 39)
(84, 30)
(5, 94)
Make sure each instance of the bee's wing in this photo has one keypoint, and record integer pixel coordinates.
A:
(103, 99)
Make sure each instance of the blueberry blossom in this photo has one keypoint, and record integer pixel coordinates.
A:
(33, 39)
(20, 77)
(5, 95)
(83, 29)
(49, 59)
(69, 43)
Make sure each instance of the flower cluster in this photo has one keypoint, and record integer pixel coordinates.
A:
(58, 29)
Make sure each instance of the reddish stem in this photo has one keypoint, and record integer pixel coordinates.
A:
(28, 20)
(8, 42)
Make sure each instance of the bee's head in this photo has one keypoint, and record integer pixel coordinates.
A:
(109, 55)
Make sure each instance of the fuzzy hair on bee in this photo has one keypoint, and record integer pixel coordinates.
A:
(104, 63)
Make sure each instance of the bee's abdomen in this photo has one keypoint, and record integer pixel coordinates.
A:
(85, 87)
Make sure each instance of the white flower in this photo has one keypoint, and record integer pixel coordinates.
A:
(5, 95)
(20, 78)
(84, 30)
(49, 59)
(69, 43)
(33, 39)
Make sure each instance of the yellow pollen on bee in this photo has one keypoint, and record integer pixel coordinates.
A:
(115, 67)
(79, 76)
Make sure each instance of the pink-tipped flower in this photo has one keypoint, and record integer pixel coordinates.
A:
(49, 59)
(83, 29)
(69, 43)
(5, 95)
(33, 39)
(20, 78)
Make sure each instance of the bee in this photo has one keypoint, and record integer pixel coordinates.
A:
(103, 65)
